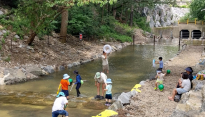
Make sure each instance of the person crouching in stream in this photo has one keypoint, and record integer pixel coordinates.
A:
(100, 78)
(78, 82)
(59, 105)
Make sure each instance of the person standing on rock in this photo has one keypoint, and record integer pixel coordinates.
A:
(185, 86)
(64, 85)
(108, 96)
(100, 78)
(105, 64)
(78, 82)
(160, 62)
(59, 104)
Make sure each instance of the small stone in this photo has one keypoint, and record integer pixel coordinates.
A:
(16, 36)
(1, 13)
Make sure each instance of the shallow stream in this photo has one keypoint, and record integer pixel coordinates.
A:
(127, 68)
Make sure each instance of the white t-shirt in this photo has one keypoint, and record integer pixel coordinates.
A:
(104, 60)
(160, 77)
(186, 84)
(59, 103)
(102, 78)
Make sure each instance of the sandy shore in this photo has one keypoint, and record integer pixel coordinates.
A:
(151, 103)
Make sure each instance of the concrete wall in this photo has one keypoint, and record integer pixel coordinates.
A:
(174, 30)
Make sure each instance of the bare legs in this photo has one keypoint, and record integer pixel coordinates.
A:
(98, 89)
(174, 92)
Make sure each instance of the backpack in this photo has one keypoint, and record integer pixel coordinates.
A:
(177, 98)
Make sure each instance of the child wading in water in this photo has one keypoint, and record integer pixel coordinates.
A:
(78, 82)
(108, 96)
(159, 77)
(160, 62)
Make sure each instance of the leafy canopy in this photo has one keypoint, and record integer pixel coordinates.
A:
(197, 9)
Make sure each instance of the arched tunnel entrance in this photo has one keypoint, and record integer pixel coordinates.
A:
(196, 34)
(184, 34)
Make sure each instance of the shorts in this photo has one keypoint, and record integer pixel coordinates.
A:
(108, 96)
(180, 91)
(159, 81)
(59, 112)
(106, 67)
(65, 92)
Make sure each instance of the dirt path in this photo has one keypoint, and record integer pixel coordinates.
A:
(151, 103)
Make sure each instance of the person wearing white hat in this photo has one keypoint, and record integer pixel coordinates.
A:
(64, 85)
(100, 78)
(159, 77)
(108, 96)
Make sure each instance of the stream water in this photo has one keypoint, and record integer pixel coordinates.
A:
(127, 67)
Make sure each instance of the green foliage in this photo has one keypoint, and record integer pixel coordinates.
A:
(140, 21)
(0, 47)
(14, 39)
(3, 41)
(119, 37)
(197, 9)
(7, 59)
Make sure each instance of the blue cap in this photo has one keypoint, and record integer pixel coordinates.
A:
(108, 80)
(188, 69)
(60, 94)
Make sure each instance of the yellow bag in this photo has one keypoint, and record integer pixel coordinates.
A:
(200, 77)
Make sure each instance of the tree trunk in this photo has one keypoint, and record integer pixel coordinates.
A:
(64, 24)
(131, 16)
(114, 12)
(31, 38)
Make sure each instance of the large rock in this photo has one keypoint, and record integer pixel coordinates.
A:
(124, 98)
(15, 76)
(195, 100)
(96, 105)
(115, 106)
(198, 84)
(49, 69)
(35, 70)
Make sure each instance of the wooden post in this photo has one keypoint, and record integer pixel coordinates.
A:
(179, 42)
(48, 40)
(133, 38)
(154, 39)
(178, 21)
(187, 21)
(202, 22)
(195, 21)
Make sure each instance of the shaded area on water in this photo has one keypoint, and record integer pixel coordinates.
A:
(127, 68)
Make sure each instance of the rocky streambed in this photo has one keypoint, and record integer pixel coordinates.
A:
(155, 103)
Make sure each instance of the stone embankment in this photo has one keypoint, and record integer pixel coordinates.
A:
(24, 72)
(155, 103)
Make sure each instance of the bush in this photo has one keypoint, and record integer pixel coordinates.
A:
(141, 23)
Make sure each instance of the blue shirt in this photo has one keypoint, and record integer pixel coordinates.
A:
(160, 64)
(78, 79)
(109, 88)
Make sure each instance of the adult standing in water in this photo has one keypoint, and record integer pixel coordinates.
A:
(105, 64)
(100, 78)
(78, 82)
